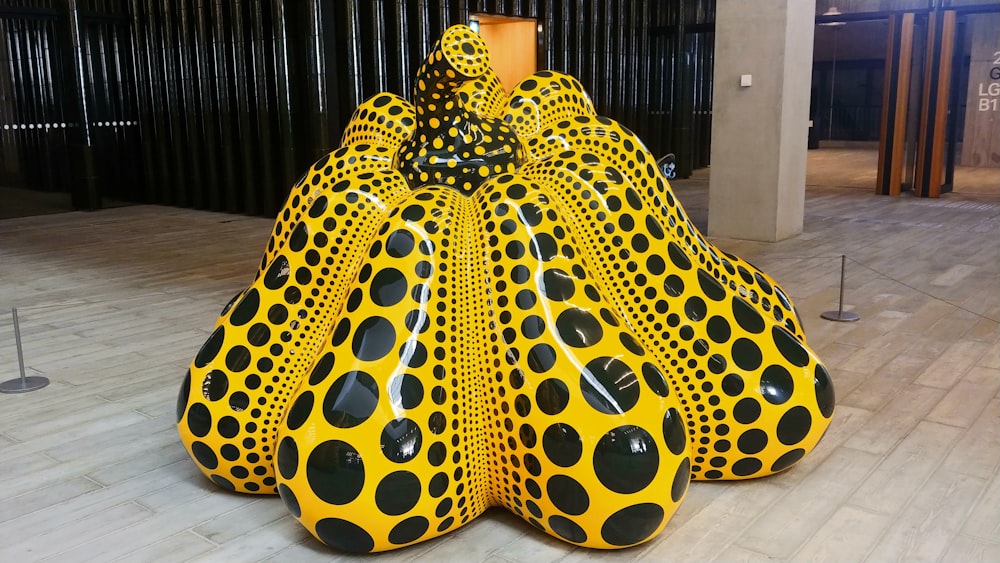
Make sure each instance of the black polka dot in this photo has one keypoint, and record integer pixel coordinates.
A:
(406, 391)
(682, 478)
(695, 308)
(578, 328)
(752, 441)
(299, 237)
(626, 459)
(373, 339)
(655, 264)
(245, 311)
(678, 257)
(239, 401)
(567, 495)
(718, 329)
(238, 358)
(211, 347)
(277, 273)
(205, 455)
(522, 405)
(543, 247)
(182, 396)
(632, 524)
(228, 427)
(414, 212)
(776, 384)
(423, 269)
(290, 500)
(532, 326)
(609, 385)
(300, 411)
(438, 485)
(825, 399)
(673, 285)
(436, 423)
(223, 482)
(525, 299)
(335, 472)
(746, 354)
(514, 249)
(437, 452)
(401, 440)
(399, 244)
(787, 459)
(541, 358)
(552, 396)
(746, 467)
(631, 344)
(445, 524)
(215, 385)
(521, 274)
(673, 432)
(350, 400)
(258, 334)
(655, 379)
(732, 385)
(344, 535)
(199, 420)
(747, 410)
(557, 285)
(794, 425)
(532, 465)
(292, 295)
(288, 458)
(527, 435)
(342, 331)
(388, 287)
(533, 489)
(562, 445)
(531, 214)
(277, 314)
(321, 369)
(252, 381)
(710, 286)
(397, 493)
(408, 530)
(567, 529)
(747, 317)
(790, 347)
(229, 452)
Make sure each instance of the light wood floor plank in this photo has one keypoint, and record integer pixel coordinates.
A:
(114, 304)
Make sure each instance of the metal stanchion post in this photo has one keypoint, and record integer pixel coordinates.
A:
(840, 315)
(24, 383)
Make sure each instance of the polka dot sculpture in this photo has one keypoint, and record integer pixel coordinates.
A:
(481, 300)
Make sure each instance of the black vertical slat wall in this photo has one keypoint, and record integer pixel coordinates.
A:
(225, 102)
(33, 126)
(683, 47)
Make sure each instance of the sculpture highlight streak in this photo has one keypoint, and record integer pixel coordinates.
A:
(484, 300)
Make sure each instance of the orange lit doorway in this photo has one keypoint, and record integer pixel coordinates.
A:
(513, 44)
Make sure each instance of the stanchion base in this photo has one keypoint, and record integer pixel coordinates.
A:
(841, 316)
(19, 385)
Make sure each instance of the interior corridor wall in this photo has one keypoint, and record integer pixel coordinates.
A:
(238, 97)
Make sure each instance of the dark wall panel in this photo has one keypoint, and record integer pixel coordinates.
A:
(233, 98)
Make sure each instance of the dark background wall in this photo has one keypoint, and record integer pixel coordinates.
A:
(220, 104)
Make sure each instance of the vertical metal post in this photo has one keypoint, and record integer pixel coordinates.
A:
(24, 384)
(839, 315)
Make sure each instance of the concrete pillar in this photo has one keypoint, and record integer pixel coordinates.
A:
(759, 132)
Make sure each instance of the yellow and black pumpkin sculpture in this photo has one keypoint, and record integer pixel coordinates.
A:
(488, 301)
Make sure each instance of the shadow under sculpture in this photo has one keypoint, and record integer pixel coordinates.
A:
(481, 300)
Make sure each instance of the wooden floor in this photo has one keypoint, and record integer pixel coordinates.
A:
(114, 304)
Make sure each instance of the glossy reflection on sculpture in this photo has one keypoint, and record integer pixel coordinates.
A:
(488, 301)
